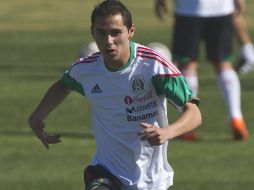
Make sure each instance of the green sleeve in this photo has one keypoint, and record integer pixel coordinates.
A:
(175, 88)
(71, 84)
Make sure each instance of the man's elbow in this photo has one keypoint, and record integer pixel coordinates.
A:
(198, 117)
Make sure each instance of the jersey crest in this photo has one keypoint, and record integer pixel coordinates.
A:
(137, 84)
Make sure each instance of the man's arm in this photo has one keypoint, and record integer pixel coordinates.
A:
(54, 96)
(241, 29)
(240, 6)
(189, 120)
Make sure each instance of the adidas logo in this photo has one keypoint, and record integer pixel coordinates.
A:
(96, 89)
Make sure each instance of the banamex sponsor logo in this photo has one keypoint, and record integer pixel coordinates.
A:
(142, 117)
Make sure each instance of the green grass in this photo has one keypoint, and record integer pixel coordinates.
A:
(38, 41)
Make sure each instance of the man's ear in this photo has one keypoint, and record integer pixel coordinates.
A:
(131, 31)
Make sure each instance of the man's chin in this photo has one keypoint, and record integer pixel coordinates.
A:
(111, 57)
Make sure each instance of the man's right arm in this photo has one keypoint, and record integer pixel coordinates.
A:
(54, 96)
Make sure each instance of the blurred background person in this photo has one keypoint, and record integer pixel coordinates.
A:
(211, 22)
(246, 62)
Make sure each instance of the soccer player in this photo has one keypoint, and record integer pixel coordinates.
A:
(128, 85)
(210, 21)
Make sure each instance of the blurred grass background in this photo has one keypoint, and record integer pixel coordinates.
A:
(39, 39)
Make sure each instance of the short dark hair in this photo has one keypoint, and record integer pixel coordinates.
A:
(112, 7)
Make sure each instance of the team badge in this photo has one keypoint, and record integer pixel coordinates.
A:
(137, 84)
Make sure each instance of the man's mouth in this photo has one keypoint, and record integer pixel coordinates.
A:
(110, 51)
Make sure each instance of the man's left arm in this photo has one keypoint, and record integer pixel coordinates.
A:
(189, 119)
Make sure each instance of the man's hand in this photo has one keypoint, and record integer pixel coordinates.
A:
(160, 8)
(154, 135)
(37, 125)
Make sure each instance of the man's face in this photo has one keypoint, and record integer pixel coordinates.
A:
(112, 38)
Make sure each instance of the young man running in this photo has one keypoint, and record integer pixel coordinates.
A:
(128, 85)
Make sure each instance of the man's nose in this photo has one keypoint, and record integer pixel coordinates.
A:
(109, 39)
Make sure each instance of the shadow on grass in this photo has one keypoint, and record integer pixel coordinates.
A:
(210, 140)
(247, 84)
(63, 134)
(68, 134)
(36, 67)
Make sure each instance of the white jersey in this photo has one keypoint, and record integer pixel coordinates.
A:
(204, 8)
(121, 100)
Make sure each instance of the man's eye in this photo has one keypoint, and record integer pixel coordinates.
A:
(101, 33)
(115, 33)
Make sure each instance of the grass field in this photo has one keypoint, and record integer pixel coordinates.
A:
(39, 39)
